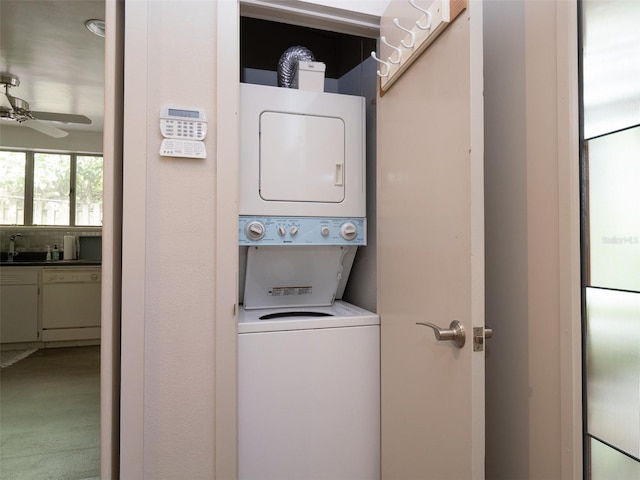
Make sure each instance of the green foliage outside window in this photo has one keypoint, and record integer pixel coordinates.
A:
(12, 172)
(50, 189)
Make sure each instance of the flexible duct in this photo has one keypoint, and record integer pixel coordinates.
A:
(288, 64)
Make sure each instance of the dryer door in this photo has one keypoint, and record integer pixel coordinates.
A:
(301, 157)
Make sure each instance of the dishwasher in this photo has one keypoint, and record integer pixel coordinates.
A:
(71, 303)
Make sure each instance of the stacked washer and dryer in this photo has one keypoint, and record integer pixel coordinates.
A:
(309, 363)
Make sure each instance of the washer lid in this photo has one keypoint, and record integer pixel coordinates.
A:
(293, 276)
(340, 314)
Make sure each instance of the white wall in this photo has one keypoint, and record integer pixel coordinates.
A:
(507, 303)
(168, 274)
(532, 241)
(170, 278)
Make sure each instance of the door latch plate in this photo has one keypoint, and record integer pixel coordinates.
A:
(478, 339)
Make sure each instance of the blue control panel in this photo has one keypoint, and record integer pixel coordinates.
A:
(302, 231)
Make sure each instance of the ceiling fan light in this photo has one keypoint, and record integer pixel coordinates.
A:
(95, 26)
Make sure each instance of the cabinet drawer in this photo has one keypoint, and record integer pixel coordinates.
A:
(18, 276)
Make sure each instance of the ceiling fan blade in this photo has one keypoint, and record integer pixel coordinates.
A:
(61, 117)
(4, 102)
(46, 129)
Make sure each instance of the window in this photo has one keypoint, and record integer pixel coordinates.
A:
(40, 188)
(51, 192)
(88, 190)
(12, 187)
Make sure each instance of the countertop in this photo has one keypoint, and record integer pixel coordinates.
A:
(59, 263)
(38, 259)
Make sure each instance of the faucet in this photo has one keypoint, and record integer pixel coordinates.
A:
(12, 247)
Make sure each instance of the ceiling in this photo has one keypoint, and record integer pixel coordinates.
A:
(60, 63)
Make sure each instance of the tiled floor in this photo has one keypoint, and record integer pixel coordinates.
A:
(50, 416)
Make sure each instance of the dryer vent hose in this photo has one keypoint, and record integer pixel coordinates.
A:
(288, 64)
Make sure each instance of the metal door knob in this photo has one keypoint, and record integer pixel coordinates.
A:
(455, 332)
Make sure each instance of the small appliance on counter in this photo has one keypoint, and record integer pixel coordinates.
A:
(90, 248)
(69, 247)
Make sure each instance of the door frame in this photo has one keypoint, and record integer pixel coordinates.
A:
(570, 308)
(226, 258)
(225, 340)
(228, 147)
(111, 300)
(569, 327)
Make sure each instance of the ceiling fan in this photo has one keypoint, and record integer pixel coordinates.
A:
(17, 109)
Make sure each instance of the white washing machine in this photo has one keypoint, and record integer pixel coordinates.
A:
(309, 393)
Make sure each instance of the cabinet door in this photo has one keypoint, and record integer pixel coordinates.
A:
(18, 313)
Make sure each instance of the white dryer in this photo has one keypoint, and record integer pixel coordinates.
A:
(302, 194)
(302, 153)
(309, 393)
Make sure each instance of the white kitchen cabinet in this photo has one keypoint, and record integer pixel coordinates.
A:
(19, 299)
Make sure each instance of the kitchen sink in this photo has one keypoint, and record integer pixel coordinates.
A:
(24, 257)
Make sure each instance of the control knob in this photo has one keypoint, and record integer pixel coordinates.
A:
(349, 231)
(255, 230)
(293, 231)
(325, 231)
(282, 231)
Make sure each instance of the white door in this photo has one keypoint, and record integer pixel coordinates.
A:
(431, 258)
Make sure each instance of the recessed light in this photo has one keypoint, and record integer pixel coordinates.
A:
(95, 26)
